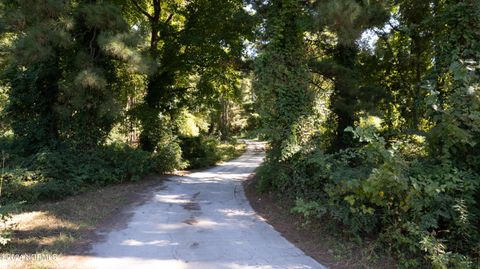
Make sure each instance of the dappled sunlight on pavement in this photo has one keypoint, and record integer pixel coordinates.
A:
(202, 220)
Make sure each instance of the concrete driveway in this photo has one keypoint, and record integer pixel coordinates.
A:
(199, 221)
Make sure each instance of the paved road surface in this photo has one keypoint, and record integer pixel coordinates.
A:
(199, 221)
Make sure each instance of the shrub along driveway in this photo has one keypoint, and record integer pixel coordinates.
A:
(198, 221)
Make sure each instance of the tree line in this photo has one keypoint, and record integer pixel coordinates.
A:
(372, 112)
(370, 108)
(98, 92)
(70, 66)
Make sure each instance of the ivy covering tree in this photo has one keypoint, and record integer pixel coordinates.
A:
(282, 80)
(394, 152)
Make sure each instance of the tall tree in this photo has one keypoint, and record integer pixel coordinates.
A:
(91, 93)
(347, 19)
(33, 73)
(400, 63)
(61, 74)
(186, 38)
(282, 78)
(163, 51)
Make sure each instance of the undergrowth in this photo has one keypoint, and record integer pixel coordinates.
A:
(423, 211)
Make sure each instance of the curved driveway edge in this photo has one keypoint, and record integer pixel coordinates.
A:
(199, 221)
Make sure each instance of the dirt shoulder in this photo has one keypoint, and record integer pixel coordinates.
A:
(323, 241)
(45, 232)
(67, 226)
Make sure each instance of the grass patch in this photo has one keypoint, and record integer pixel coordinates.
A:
(204, 151)
(67, 227)
(230, 151)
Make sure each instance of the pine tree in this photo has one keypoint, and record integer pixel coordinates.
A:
(34, 71)
(61, 73)
(347, 19)
(89, 101)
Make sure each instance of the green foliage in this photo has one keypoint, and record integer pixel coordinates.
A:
(89, 94)
(168, 156)
(309, 210)
(281, 77)
(204, 151)
(188, 40)
(281, 85)
(52, 175)
(130, 164)
(266, 173)
(6, 225)
(5, 217)
(413, 206)
(406, 72)
(62, 71)
(75, 69)
(411, 176)
(199, 151)
(254, 123)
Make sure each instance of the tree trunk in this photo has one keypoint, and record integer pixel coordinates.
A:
(149, 119)
(343, 99)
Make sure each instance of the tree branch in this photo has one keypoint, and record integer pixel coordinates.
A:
(140, 9)
(169, 18)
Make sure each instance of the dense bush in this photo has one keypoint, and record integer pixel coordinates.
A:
(168, 156)
(204, 151)
(414, 207)
(54, 174)
(199, 151)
